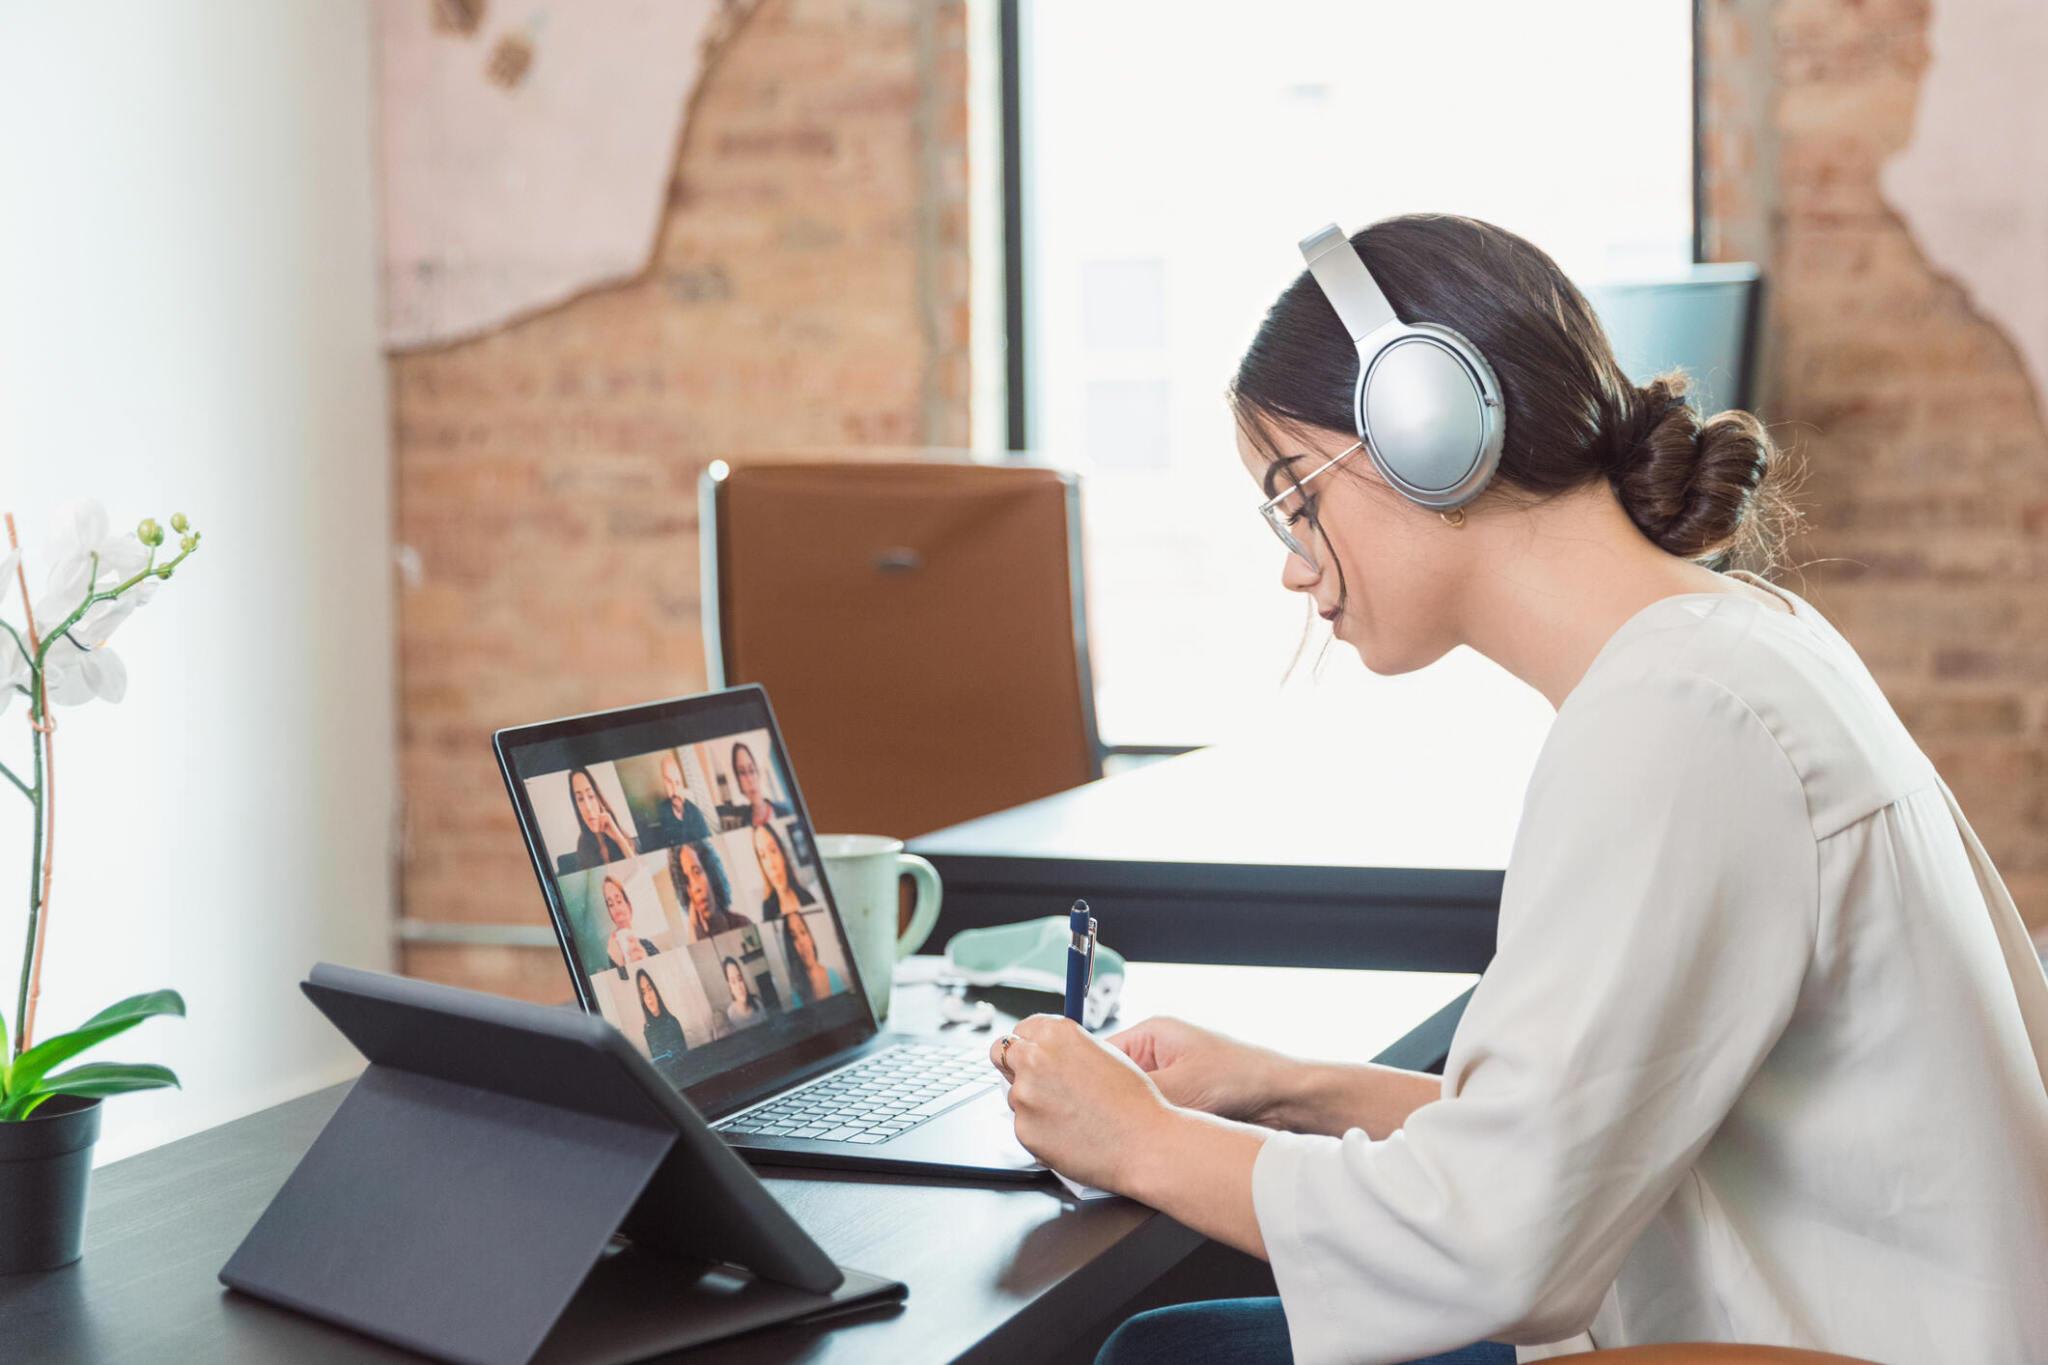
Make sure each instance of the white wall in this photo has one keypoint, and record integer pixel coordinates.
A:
(188, 322)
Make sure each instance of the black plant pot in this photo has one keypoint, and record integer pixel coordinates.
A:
(44, 1162)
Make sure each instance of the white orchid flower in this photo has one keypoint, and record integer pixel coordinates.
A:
(72, 566)
(73, 675)
(84, 559)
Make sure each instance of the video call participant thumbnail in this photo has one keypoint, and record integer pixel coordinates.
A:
(675, 819)
(660, 1027)
(600, 838)
(622, 945)
(746, 771)
(702, 890)
(743, 1008)
(810, 980)
(786, 895)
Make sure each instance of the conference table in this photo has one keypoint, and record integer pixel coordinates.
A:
(994, 1272)
(1372, 850)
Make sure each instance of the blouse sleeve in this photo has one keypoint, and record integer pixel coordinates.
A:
(1656, 922)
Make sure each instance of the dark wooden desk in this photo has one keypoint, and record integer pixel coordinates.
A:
(994, 1273)
(1289, 853)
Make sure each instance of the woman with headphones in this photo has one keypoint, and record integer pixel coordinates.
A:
(1762, 1055)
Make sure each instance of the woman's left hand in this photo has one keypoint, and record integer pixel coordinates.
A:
(1082, 1107)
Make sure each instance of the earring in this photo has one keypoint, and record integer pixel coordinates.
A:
(1453, 518)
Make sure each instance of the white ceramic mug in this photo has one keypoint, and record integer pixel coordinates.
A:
(864, 870)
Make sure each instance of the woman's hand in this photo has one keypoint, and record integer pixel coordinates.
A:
(1082, 1107)
(1198, 1069)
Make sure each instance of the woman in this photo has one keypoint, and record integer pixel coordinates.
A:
(785, 893)
(747, 772)
(662, 1030)
(601, 839)
(743, 1009)
(810, 979)
(699, 882)
(1761, 1053)
(622, 945)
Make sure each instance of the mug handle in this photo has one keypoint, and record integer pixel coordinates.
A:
(924, 914)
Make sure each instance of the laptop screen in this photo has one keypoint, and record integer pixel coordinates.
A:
(680, 868)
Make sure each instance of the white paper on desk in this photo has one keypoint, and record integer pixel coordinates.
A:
(1080, 1191)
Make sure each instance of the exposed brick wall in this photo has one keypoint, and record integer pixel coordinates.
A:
(1928, 461)
(809, 289)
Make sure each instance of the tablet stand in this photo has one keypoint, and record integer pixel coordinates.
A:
(462, 1222)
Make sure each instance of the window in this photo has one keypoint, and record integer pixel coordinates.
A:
(1171, 159)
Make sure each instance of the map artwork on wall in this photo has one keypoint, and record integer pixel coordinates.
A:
(1972, 184)
(527, 149)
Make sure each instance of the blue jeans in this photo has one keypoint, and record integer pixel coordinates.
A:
(1237, 1332)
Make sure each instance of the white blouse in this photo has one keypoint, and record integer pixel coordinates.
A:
(1762, 1055)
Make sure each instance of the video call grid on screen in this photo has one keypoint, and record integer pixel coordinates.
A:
(686, 877)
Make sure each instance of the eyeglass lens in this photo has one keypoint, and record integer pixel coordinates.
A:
(1291, 522)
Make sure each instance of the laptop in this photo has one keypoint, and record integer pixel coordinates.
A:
(681, 872)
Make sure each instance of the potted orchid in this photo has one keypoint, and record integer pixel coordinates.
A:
(58, 656)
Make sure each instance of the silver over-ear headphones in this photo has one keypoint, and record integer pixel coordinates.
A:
(1427, 405)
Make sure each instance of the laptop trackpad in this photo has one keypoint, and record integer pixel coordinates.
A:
(980, 1133)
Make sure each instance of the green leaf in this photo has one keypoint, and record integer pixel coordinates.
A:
(93, 1080)
(34, 1064)
(139, 1007)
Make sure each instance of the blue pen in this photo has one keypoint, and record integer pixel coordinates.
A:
(1080, 959)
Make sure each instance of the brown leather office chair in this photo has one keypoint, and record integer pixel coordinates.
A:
(1706, 1353)
(918, 626)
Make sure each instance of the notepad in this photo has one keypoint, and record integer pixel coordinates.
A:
(1084, 1192)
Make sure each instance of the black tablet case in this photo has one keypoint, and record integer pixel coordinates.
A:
(463, 1199)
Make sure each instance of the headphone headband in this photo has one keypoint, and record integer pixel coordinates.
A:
(1346, 283)
(1426, 404)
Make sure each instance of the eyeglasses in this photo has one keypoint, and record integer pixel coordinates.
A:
(1283, 520)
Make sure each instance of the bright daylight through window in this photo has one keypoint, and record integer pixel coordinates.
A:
(1171, 165)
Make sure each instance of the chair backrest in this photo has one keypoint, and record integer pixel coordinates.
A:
(918, 626)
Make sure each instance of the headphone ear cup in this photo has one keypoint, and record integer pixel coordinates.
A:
(1431, 415)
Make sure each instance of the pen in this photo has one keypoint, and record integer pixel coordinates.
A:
(1080, 959)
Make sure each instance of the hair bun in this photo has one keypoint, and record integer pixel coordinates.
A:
(1690, 486)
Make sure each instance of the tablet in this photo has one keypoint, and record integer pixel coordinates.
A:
(467, 1199)
(704, 1202)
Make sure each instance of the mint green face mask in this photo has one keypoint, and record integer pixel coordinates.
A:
(1032, 955)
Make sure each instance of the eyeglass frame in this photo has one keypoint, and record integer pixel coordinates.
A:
(1269, 510)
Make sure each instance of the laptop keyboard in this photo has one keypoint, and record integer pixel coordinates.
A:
(875, 1099)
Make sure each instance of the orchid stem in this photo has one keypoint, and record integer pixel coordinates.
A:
(38, 737)
(46, 818)
(24, 788)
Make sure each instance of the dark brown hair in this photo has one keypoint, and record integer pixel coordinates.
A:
(1700, 488)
